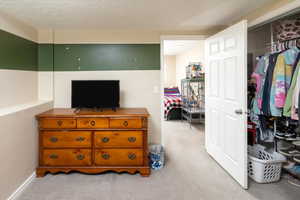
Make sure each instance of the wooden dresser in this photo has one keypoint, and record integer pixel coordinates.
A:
(93, 141)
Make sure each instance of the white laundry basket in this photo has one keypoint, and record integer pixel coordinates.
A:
(264, 167)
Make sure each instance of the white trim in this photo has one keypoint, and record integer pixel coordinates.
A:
(182, 37)
(21, 188)
(162, 38)
(20, 107)
(104, 42)
(275, 13)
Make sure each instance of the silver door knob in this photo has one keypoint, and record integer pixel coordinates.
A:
(239, 111)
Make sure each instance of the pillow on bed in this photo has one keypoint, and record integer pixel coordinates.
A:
(171, 91)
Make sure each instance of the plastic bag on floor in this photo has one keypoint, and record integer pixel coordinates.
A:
(157, 157)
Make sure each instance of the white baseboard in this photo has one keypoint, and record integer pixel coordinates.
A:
(19, 190)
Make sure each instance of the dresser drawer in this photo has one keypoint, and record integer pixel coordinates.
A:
(118, 139)
(126, 123)
(66, 139)
(66, 157)
(119, 157)
(92, 123)
(57, 123)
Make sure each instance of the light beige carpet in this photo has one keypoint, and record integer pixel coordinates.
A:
(190, 174)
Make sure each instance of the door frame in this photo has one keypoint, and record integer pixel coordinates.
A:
(162, 70)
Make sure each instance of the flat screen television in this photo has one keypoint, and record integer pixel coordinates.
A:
(95, 94)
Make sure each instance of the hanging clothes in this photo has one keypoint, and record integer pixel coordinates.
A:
(295, 100)
(267, 85)
(281, 80)
(260, 75)
(277, 84)
(288, 102)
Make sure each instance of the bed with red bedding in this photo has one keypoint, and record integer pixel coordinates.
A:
(172, 103)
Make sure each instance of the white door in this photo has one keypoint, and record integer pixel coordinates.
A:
(226, 100)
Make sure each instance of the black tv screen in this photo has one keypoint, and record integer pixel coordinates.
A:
(95, 94)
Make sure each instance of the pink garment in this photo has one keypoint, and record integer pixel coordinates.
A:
(258, 79)
(280, 93)
(281, 79)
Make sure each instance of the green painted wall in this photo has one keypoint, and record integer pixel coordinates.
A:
(45, 57)
(21, 54)
(88, 57)
(17, 53)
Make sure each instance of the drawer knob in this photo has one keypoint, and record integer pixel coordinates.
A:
(125, 123)
(59, 122)
(131, 156)
(131, 139)
(105, 156)
(93, 123)
(80, 157)
(80, 139)
(105, 139)
(53, 139)
(53, 156)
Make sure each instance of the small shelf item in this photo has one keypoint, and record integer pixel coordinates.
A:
(194, 70)
(193, 99)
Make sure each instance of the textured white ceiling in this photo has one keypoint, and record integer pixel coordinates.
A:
(129, 14)
(174, 47)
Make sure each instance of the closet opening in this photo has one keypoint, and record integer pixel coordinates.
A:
(273, 61)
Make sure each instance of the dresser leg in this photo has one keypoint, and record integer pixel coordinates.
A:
(144, 172)
(40, 173)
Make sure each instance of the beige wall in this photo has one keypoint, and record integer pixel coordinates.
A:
(18, 87)
(195, 54)
(18, 148)
(112, 36)
(45, 85)
(170, 71)
(19, 104)
(10, 24)
(138, 89)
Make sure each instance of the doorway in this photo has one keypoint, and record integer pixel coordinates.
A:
(180, 55)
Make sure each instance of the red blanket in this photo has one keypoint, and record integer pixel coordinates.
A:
(170, 102)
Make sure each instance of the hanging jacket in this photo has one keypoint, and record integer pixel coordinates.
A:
(295, 99)
(281, 80)
(267, 85)
(259, 74)
(288, 101)
(273, 109)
